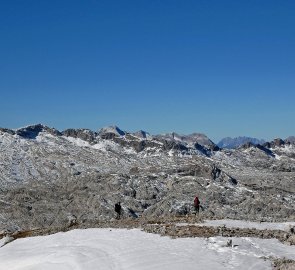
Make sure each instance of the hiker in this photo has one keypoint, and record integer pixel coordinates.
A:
(197, 204)
(118, 209)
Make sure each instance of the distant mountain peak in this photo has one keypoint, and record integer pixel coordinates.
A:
(111, 130)
(32, 131)
(141, 134)
(290, 139)
(236, 142)
(192, 140)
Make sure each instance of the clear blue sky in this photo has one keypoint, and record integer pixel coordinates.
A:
(223, 68)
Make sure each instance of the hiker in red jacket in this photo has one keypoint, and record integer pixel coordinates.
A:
(197, 204)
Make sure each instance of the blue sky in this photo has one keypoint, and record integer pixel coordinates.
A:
(223, 68)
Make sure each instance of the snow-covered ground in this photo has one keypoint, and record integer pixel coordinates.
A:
(136, 250)
(229, 223)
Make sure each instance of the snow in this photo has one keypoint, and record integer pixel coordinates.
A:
(171, 153)
(285, 148)
(5, 240)
(277, 156)
(120, 249)
(103, 145)
(248, 224)
(242, 189)
(77, 141)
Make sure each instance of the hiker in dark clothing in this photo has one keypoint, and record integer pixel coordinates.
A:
(197, 204)
(118, 210)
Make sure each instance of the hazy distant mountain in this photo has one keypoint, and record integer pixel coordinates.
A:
(231, 143)
(190, 140)
(141, 134)
(108, 132)
(290, 139)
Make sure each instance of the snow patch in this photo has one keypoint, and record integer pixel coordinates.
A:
(283, 226)
(120, 249)
(77, 141)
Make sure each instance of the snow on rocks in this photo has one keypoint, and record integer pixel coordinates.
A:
(5, 240)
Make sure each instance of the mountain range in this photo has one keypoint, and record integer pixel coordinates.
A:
(54, 178)
(113, 131)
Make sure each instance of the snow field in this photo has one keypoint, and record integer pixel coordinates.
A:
(120, 249)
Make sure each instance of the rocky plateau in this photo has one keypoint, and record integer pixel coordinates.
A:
(50, 178)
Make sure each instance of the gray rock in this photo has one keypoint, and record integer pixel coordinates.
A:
(83, 134)
(45, 179)
(31, 132)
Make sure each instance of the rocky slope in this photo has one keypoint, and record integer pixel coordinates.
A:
(53, 178)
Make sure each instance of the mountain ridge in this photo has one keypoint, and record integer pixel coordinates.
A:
(226, 142)
(49, 177)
